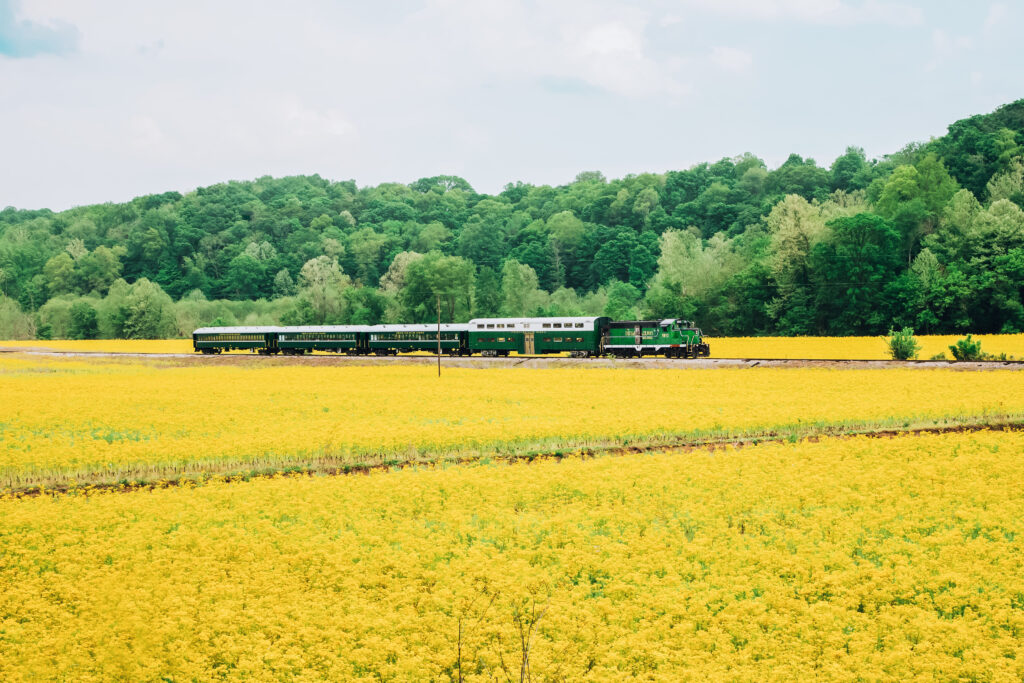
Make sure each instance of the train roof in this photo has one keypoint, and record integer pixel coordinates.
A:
(299, 329)
(534, 323)
(238, 330)
(445, 327)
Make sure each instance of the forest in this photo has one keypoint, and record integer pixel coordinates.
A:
(929, 237)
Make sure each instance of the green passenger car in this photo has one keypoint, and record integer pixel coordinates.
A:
(671, 338)
(218, 339)
(295, 341)
(394, 339)
(579, 336)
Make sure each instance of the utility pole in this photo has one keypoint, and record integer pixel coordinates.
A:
(438, 335)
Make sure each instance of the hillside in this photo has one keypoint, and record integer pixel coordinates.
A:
(931, 236)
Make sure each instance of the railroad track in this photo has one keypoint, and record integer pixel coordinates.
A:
(320, 358)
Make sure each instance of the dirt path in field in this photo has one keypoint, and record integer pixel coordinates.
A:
(326, 467)
(525, 362)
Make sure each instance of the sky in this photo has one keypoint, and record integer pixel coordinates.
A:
(110, 99)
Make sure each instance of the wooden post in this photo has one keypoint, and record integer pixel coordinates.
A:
(438, 335)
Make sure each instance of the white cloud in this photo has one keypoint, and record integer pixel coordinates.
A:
(731, 58)
(946, 47)
(304, 121)
(836, 12)
(603, 44)
(998, 14)
(145, 134)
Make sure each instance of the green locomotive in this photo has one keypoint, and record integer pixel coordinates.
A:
(580, 337)
(671, 338)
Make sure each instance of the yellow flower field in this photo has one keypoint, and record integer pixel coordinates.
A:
(853, 348)
(881, 559)
(104, 345)
(104, 419)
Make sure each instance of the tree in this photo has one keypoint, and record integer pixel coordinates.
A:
(646, 201)
(84, 321)
(1009, 184)
(611, 262)
(147, 312)
(622, 301)
(392, 281)
(797, 176)
(98, 269)
(480, 243)
(642, 266)
(568, 235)
(535, 249)
(245, 276)
(691, 274)
(431, 237)
(914, 198)
(434, 276)
(486, 294)
(365, 247)
(322, 284)
(795, 228)
(13, 323)
(60, 274)
(441, 183)
(365, 305)
(284, 284)
(520, 295)
(850, 171)
(851, 271)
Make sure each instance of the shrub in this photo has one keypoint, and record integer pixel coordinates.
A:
(967, 349)
(903, 345)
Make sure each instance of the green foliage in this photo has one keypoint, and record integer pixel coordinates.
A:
(622, 300)
(968, 349)
(14, 324)
(84, 321)
(902, 344)
(438, 278)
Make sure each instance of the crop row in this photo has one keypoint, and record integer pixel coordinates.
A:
(70, 420)
(894, 558)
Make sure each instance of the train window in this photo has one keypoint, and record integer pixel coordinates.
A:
(557, 325)
(491, 326)
(479, 326)
(579, 324)
(579, 339)
(558, 339)
(546, 325)
(547, 339)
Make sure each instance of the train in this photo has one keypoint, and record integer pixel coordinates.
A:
(580, 337)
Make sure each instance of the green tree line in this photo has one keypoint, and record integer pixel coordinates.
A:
(930, 237)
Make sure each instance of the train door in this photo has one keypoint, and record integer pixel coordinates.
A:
(638, 336)
(528, 346)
